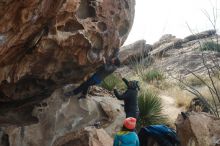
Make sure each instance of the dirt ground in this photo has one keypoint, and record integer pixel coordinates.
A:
(170, 109)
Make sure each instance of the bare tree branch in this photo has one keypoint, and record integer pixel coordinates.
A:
(197, 94)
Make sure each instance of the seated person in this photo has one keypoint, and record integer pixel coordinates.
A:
(127, 136)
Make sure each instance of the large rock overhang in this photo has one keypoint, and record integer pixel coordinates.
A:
(46, 44)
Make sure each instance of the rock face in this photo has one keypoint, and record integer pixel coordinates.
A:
(183, 56)
(133, 51)
(165, 43)
(198, 129)
(200, 35)
(62, 122)
(45, 44)
(87, 137)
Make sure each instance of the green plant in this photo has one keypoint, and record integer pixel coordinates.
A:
(212, 46)
(112, 81)
(150, 106)
(139, 64)
(153, 74)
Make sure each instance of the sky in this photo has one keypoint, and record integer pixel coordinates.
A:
(154, 18)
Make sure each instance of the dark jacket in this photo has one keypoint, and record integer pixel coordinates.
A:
(105, 70)
(130, 98)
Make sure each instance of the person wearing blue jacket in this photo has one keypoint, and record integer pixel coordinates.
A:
(102, 72)
(127, 136)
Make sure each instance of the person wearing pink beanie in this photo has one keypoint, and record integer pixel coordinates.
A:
(127, 135)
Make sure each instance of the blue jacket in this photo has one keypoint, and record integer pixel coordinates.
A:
(126, 138)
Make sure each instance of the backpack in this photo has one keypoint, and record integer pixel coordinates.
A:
(162, 134)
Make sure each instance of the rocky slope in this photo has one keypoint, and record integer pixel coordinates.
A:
(182, 56)
(46, 44)
(174, 55)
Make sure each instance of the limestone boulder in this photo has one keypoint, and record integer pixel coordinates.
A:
(59, 116)
(164, 39)
(89, 136)
(134, 51)
(165, 43)
(186, 57)
(198, 129)
(46, 44)
(200, 35)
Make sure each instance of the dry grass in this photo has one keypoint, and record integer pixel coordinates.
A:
(153, 75)
(182, 97)
(153, 83)
(168, 88)
(165, 87)
(206, 93)
(194, 81)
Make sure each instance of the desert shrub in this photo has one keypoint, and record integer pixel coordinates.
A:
(140, 64)
(194, 81)
(211, 46)
(112, 81)
(209, 92)
(150, 106)
(153, 74)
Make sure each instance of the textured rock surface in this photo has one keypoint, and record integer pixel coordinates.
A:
(200, 35)
(134, 51)
(164, 39)
(87, 137)
(165, 43)
(58, 118)
(168, 42)
(180, 57)
(198, 129)
(45, 44)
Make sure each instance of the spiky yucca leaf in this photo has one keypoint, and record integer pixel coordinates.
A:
(150, 106)
(153, 75)
(211, 46)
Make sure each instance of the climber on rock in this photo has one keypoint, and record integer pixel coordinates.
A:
(130, 98)
(102, 72)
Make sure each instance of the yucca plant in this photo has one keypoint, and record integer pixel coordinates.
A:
(139, 64)
(153, 74)
(212, 46)
(112, 81)
(150, 106)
